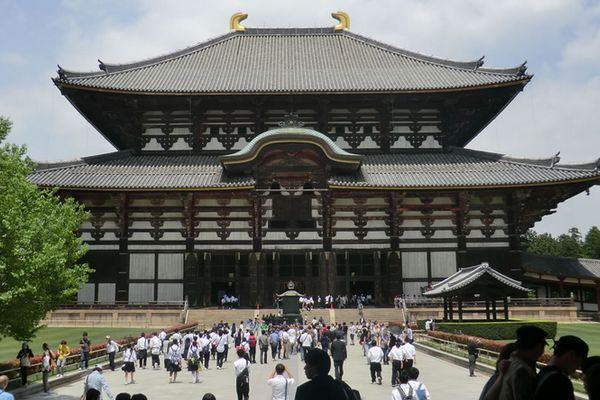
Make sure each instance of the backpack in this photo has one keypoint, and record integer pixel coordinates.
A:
(406, 396)
(349, 393)
(420, 392)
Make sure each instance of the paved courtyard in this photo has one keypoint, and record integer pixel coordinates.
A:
(444, 380)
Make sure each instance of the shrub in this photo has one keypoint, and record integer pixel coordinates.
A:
(496, 330)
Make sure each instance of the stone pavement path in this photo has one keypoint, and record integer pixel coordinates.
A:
(443, 379)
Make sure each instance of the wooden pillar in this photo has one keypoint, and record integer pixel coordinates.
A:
(494, 311)
(206, 259)
(377, 275)
(256, 278)
(394, 268)
(461, 221)
(327, 223)
(450, 308)
(394, 222)
(122, 210)
(487, 309)
(276, 282)
(561, 286)
(460, 309)
(256, 200)
(445, 305)
(506, 308)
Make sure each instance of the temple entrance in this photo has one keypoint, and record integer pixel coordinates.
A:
(218, 289)
(363, 287)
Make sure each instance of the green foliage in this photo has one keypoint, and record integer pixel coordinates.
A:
(569, 244)
(591, 245)
(498, 330)
(38, 248)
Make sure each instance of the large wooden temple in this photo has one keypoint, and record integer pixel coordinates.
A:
(315, 155)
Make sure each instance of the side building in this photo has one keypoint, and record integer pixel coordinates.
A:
(315, 155)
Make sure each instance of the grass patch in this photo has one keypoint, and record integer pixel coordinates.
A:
(10, 347)
(588, 331)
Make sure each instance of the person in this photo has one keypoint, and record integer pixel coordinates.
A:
(123, 396)
(279, 383)
(204, 343)
(63, 352)
(473, 353)
(163, 338)
(591, 382)
(404, 390)
(352, 332)
(409, 355)
(375, 357)
(24, 356)
(142, 352)
(252, 344)
(209, 396)
(305, 342)
(274, 341)
(84, 351)
(553, 380)
(396, 355)
(428, 325)
(111, 349)
(419, 388)
(129, 358)
(321, 386)
(47, 359)
(221, 349)
(175, 361)
(95, 380)
(325, 340)
(519, 380)
(241, 369)
(155, 349)
(92, 394)
(193, 361)
(263, 344)
(4, 395)
(339, 355)
(491, 390)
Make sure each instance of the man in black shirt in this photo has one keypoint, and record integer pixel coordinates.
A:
(553, 380)
(473, 354)
(321, 385)
(339, 354)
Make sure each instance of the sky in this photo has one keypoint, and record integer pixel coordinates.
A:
(560, 40)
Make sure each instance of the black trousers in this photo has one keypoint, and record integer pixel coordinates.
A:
(206, 355)
(242, 389)
(155, 360)
(407, 365)
(111, 360)
(23, 371)
(339, 369)
(396, 368)
(253, 354)
(220, 359)
(263, 354)
(226, 351)
(143, 356)
(274, 349)
(375, 370)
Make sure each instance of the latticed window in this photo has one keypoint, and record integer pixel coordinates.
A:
(292, 265)
(223, 265)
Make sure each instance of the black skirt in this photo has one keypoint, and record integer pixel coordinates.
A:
(174, 367)
(192, 366)
(129, 366)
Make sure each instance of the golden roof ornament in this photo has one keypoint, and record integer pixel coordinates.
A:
(234, 22)
(344, 20)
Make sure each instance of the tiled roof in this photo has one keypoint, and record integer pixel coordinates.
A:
(291, 60)
(561, 266)
(455, 168)
(122, 170)
(467, 276)
(459, 168)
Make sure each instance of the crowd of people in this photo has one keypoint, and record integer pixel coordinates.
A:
(340, 301)
(229, 302)
(321, 346)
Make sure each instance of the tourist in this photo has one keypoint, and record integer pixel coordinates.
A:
(95, 380)
(408, 333)
(84, 351)
(123, 396)
(384, 343)
(591, 382)
(221, 349)
(204, 344)
(209, 396)
(396, 355)
(174, 361)
(491, 390)
(374, 358)
(553, 380)
(24, 356)
(129, 358)
(419, 388)
(263, 344)
(47, 359)
(163, 337)
(339, 355)
(352, 332)
(4, 395)
(252, 345)
(279, 383)
(306, 342)
(142, 352)
(321, 385)
(473, 353)
(404, 390)
(410, 355)
(111, 349)
(274, 342)
(520, 379)
(63, 352)
(92, 394)
(285, 343)
(155, 349)
(428, 325)
(325, 340)
(241, 369)
(193, 361)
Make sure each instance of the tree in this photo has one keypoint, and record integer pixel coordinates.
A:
(39, 250)
(543, 244)
(570, 245)
(591, 245)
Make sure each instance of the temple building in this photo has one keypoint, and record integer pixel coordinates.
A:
(312, 155)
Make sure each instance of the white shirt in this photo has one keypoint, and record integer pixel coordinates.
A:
(278, 383)
(176, 336)
(221, 343)
(111, 346)
(292, 334)
(405, 388)
(352, 329)
(306, 339)
(142, 343)
(162, 335)
(155, 344)
(375, 354)
(129, 356)
(416, 385)
(396, 354)
(409, 351)
(203, 342)
(239, 365)
(96, 380)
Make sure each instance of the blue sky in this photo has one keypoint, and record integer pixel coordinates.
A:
(560, 39)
